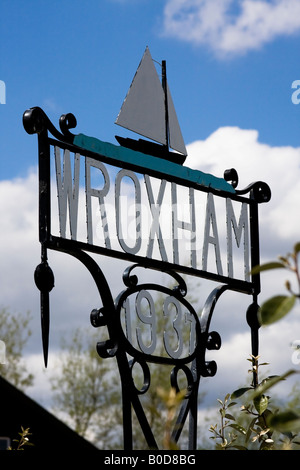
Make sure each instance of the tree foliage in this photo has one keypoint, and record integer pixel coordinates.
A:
(85, 388)
(15, 332)
(268, 427)
(278, 306)
(251, 420)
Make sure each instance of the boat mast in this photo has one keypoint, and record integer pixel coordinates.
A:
(148, 110)
(165, 89)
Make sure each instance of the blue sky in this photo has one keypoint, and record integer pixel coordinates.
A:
(70, 57)
(230, 66)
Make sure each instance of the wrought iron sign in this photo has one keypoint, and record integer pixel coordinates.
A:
(137, 202)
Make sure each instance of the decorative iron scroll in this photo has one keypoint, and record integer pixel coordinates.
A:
(143, 330)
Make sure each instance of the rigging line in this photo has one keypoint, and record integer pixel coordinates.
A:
(164, 85)
(161, 66)
(157, 62)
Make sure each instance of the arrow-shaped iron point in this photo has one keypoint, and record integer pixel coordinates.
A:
(44, 280)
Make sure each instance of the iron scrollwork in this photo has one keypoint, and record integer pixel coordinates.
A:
(144, 338)
(136, 321)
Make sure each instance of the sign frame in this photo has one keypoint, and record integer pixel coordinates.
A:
(35, 121)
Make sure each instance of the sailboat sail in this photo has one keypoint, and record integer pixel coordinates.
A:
(176, 141)
(143, 110)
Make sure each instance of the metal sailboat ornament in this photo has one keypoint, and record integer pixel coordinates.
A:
(148, 110)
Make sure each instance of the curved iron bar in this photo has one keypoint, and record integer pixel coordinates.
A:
(260, 191)
(209, 306)
(107, 316)
(118, 346)
(204, 340)
(210, 340)
(179, 291)
(132, 280)
(35, 121)
(213, 337)
(149, 357)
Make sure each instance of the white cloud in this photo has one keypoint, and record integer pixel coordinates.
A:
(19, 247)
(233, 365)
(231, 27)
(50, 106)
(279, 167)
(74, 294)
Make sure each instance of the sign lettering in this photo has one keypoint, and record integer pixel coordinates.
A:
(138, 202)
(146, 323)
(140, 215)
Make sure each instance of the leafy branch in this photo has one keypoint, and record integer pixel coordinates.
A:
(227, 440)
(278, 306)
(23, 441)
(262, 421)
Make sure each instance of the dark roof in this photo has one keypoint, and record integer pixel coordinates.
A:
(48, 432)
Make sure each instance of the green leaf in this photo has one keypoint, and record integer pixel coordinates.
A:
(238, 428)
(239, 392)
(267, 266)
(261, 420)
(276, 308)
(267, 444)
(272, 378)
(229, 416)
(270, 382)
(261, 403)
(249, 431)
(297, 248)
(233, 403)
(285, 421)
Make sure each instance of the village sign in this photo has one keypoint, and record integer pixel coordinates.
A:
(136, 201)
